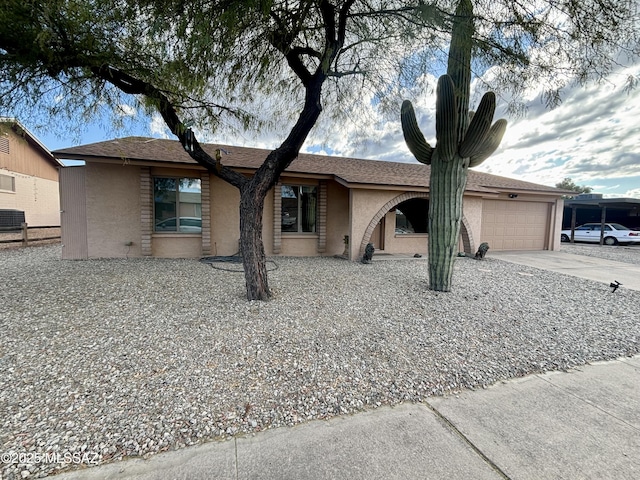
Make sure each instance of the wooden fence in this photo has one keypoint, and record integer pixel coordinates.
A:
(23, 233)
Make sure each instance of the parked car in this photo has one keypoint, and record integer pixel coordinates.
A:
(187, 225)
(614, 233)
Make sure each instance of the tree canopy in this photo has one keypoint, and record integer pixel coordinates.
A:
(569, 184)
(229, 63)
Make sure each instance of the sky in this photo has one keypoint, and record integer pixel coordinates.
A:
(592, 137)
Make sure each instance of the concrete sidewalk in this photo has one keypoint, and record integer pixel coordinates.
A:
(592, 268)
(581, 424)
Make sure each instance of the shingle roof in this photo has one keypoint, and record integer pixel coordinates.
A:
(349, 170)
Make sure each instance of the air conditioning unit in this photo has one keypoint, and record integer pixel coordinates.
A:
(11, 218)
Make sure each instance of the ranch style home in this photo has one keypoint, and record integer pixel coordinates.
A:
(138, 197)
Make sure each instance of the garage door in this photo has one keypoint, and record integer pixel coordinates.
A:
(514, 225)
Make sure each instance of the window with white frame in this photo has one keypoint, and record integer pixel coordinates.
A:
(177, 205)
(7, 183)
(299, 208)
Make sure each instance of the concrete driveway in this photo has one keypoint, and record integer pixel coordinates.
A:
(592, 268)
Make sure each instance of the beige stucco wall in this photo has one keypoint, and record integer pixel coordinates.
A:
(225, 218)
(364, 206)
(367, 203)
(557, 211)
(337, 218)
(472, 215)
(176, 245)
(408, 243)
(267, 224)
(39, 198)
(299, 245)
(113, 210)
(113, 216)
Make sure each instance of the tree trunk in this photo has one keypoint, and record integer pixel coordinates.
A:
(251, 246)
(446, 187)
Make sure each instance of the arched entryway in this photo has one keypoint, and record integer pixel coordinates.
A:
(465, 232)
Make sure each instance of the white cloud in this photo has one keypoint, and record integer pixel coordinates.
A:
(591, 137)
(126, 110)
(635, 193)
(158, 128)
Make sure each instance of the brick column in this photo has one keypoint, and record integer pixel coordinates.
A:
(206, 212)
(277, 218)
(322, 217)
(146, 211)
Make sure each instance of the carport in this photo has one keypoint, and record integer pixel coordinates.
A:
(591, 208)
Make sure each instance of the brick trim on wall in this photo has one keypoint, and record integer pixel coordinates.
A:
(205, 206)
(322, 217)
(467, 240)
(146, 211)
(277, 218)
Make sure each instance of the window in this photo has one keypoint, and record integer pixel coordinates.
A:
(411, 216)
(7, 183)
(177, 205)
(299, 208)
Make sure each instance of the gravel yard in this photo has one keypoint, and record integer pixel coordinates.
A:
(620, 253)
(105, 359)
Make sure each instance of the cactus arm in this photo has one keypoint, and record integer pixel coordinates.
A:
(413, 136)
(459, 61)
(446, 119)
(479, 126)
(490, 144)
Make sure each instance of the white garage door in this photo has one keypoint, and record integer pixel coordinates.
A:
(514, 225)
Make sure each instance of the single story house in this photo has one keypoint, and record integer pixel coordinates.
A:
(146, 197)
(29, 187)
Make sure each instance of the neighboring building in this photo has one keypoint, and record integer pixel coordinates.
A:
(590, 208)
(146, 197)
(28, 176)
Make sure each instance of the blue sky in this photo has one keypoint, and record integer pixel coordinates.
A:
(593, 137)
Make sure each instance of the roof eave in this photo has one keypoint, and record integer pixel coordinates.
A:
(32, 139)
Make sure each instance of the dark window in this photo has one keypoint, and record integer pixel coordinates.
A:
(412, 216)
(299, 208)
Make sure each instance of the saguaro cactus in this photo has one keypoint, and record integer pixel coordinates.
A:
(463, 139)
